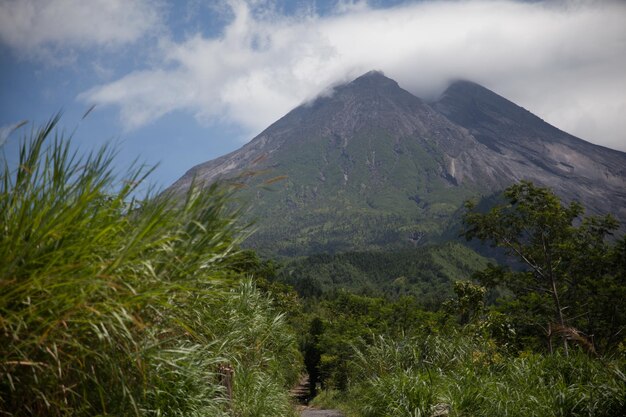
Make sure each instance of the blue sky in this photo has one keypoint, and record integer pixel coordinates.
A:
(181, 82)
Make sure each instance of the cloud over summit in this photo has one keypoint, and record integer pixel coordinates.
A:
(562, 60)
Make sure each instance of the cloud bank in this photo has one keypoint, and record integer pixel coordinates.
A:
(563, 60)
(38, 28)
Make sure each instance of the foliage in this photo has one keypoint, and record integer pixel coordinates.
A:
(457, 375)
(114, 306)
(469, 302)
(381, 354)
(349, 320)
(567, 264)
(426, 273)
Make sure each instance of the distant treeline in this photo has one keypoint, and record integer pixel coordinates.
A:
(425, 273)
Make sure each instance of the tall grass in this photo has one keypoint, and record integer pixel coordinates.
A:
(114, 306)
(458, 375)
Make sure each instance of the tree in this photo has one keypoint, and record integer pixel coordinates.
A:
(312, 354)
(559, 254)
(469, 302)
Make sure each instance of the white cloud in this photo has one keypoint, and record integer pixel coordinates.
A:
(39, 28)
(563, 60)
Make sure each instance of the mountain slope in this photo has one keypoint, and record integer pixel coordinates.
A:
(374, 167)
(426, 273)
(533, 149)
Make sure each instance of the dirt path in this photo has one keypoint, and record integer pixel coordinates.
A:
(300, 393)
(311, 412)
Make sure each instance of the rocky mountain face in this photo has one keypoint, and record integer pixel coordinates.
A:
(374, 167)
(523, 146)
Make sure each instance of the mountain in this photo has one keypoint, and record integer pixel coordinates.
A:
(372, 166)
(526, 147)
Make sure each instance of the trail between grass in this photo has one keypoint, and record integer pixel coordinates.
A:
(301, 394)
(311, 412)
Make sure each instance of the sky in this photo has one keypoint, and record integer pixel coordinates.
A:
(177, 83)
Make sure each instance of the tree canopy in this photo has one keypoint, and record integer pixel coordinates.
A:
(567, 266)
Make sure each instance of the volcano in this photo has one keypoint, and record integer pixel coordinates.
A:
(373, 167)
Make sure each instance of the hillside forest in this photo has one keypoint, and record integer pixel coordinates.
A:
(112, 304)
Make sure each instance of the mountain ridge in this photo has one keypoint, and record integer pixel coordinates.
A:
(499, 123)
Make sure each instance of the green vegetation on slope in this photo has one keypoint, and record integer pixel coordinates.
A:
(425, 273)
(380, 357)
(378, 191)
